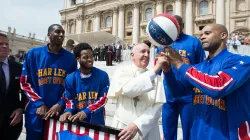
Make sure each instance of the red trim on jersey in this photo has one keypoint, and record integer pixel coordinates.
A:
(69, 103)
(102, 101)
(27, 88)
(243, 131)
(216, 82)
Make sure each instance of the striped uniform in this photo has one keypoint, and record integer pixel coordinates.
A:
(87, 94)
(192, 53)
(221, 106)
(43, 81)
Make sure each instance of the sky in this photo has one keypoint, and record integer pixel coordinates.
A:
(27, 16)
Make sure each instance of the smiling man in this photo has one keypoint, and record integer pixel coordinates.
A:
(221, 83)
(85, 89)
(44, 71)
(139, 94)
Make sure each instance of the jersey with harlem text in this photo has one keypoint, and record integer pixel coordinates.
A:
(221, 106)
(87, 94)
(67, 135)
(42, 80)
(191, 51)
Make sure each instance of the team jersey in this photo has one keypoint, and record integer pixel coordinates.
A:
(221, 106)
(191, 51)
(67, 135)
(87, 94)
(43, 80)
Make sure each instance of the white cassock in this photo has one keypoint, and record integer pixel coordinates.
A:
(128, 83)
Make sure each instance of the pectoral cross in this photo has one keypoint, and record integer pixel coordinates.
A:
(136, 99)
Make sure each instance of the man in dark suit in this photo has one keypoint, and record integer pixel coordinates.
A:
(118, 52)
(11, 116)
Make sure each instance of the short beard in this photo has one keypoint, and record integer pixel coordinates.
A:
(84, 67)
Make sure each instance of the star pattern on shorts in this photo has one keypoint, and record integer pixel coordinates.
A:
(234, 68)
(241, 62)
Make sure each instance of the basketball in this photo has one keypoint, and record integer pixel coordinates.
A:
(162, 30)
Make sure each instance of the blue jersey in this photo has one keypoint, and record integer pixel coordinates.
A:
(87, 94)
(221, 106)
(67, 135)
(43, 80)
(191, 51)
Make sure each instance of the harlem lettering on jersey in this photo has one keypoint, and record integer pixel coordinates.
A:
(200, 98)
(51, 76)
(85, 99)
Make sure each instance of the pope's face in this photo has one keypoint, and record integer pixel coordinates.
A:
(140, 56)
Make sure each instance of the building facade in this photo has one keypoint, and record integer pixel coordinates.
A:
(127, 19)
(20, 44)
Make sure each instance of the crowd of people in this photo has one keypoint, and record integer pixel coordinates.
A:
(210, 94)
(236, 39)
(102, 53)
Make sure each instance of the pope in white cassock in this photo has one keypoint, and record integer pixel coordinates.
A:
(139, 94)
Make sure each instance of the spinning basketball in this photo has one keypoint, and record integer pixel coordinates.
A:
(163, 29)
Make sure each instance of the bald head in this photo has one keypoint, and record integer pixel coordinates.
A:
(140, 55)
(214, 37)
(219, 29)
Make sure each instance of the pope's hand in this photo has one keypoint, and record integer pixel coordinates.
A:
(173, 56)
(160, 61)
(128, 132)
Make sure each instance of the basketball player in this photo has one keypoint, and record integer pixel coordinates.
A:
(44, 71)
(191, 52)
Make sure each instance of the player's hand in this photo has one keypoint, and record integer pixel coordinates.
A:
(166, 67)
(128, 132)
(173, 56)
(17, 116)
(53, 111)
(41, 111)
(80, 116)
(65, 116)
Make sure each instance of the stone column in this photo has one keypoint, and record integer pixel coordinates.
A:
(189, 17)
(220, 12)
(79, 24)
(64, 25)
(136, 26)
(159, 7)
(115, 22)
(121, 23)
(68, 26)
(97, 22)
(65, 4)
(178, 7)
